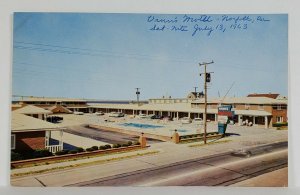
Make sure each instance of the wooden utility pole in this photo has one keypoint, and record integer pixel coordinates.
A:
(205, 97)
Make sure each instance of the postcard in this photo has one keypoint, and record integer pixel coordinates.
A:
(115, 99)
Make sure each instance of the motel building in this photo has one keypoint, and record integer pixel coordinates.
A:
(255, 109)
(31, 131)
(55, 105)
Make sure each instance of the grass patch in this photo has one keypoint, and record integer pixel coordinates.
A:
(282, 128)
(210, 143)
(73, 159)
(83, 164)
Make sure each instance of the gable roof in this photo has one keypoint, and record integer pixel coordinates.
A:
(21, 123)
(30, 109)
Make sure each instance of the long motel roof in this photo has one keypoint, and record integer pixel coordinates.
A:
(24, 123)
(174, 107)
(50, 99)
(30, 109)
(243, 100)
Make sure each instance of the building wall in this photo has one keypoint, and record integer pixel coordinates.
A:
(26, 141)
(279, 113)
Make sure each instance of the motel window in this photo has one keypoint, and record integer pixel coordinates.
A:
(279, 119)
(260, 107)
(247, 106)
(13, 142)
(279, 107)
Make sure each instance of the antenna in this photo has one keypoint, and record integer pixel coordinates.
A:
(227, 92)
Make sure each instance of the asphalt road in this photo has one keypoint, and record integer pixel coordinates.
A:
(218, 170)
(104, 136)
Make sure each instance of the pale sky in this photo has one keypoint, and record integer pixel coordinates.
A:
(106, 56)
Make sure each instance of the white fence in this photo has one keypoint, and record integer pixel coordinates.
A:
(54, 148)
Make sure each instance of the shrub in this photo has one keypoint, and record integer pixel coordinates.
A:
(80, 150)
(15, 156)
(73, 151)
(38, 153)
(95, 147)
(102, 148)
(136, 143)
(108, 146)
(62, 152)
(129, 143)
(89, 149)
(116, 145)
(280, 124)
(124, 145)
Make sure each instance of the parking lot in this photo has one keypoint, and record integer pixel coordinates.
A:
(75, 125)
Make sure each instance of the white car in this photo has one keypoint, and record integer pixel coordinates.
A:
(142, 116)
(186, 120)
(78, 113)
(198, 120)
(116, 114)
(99, 113)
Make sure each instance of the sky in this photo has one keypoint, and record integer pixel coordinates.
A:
(107, 56)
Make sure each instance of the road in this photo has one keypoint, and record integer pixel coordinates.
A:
(217, 170)
(104, 136)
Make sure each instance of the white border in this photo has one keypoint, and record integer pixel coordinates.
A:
(7, 7)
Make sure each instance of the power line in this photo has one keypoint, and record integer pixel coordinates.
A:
(86, 52)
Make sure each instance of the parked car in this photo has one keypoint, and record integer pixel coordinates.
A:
(167, 118)
(99, 113)
(186, 120)
(156, 117)
(116, 114)
(142, 116)
(78, 113)
(198, 120)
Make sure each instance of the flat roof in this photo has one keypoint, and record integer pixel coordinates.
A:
(253, 112)
(24, 123)
(174, 107)
(243, 100)
(50, 99)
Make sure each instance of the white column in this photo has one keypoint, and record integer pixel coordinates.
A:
(61, 139)
(266, 122)
(253, 120)
(47, 138)
(147, 112)
(177, 115)
(240, 119)
(189, 115)
(216, 117)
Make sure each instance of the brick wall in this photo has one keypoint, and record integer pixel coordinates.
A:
(26, 141)
(279, 113)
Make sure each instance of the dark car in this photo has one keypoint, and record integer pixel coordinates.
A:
(156, 117)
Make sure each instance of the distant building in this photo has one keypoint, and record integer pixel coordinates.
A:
(269, 95)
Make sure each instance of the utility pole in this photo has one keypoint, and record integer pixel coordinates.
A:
(206, 79)
(137, 95)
